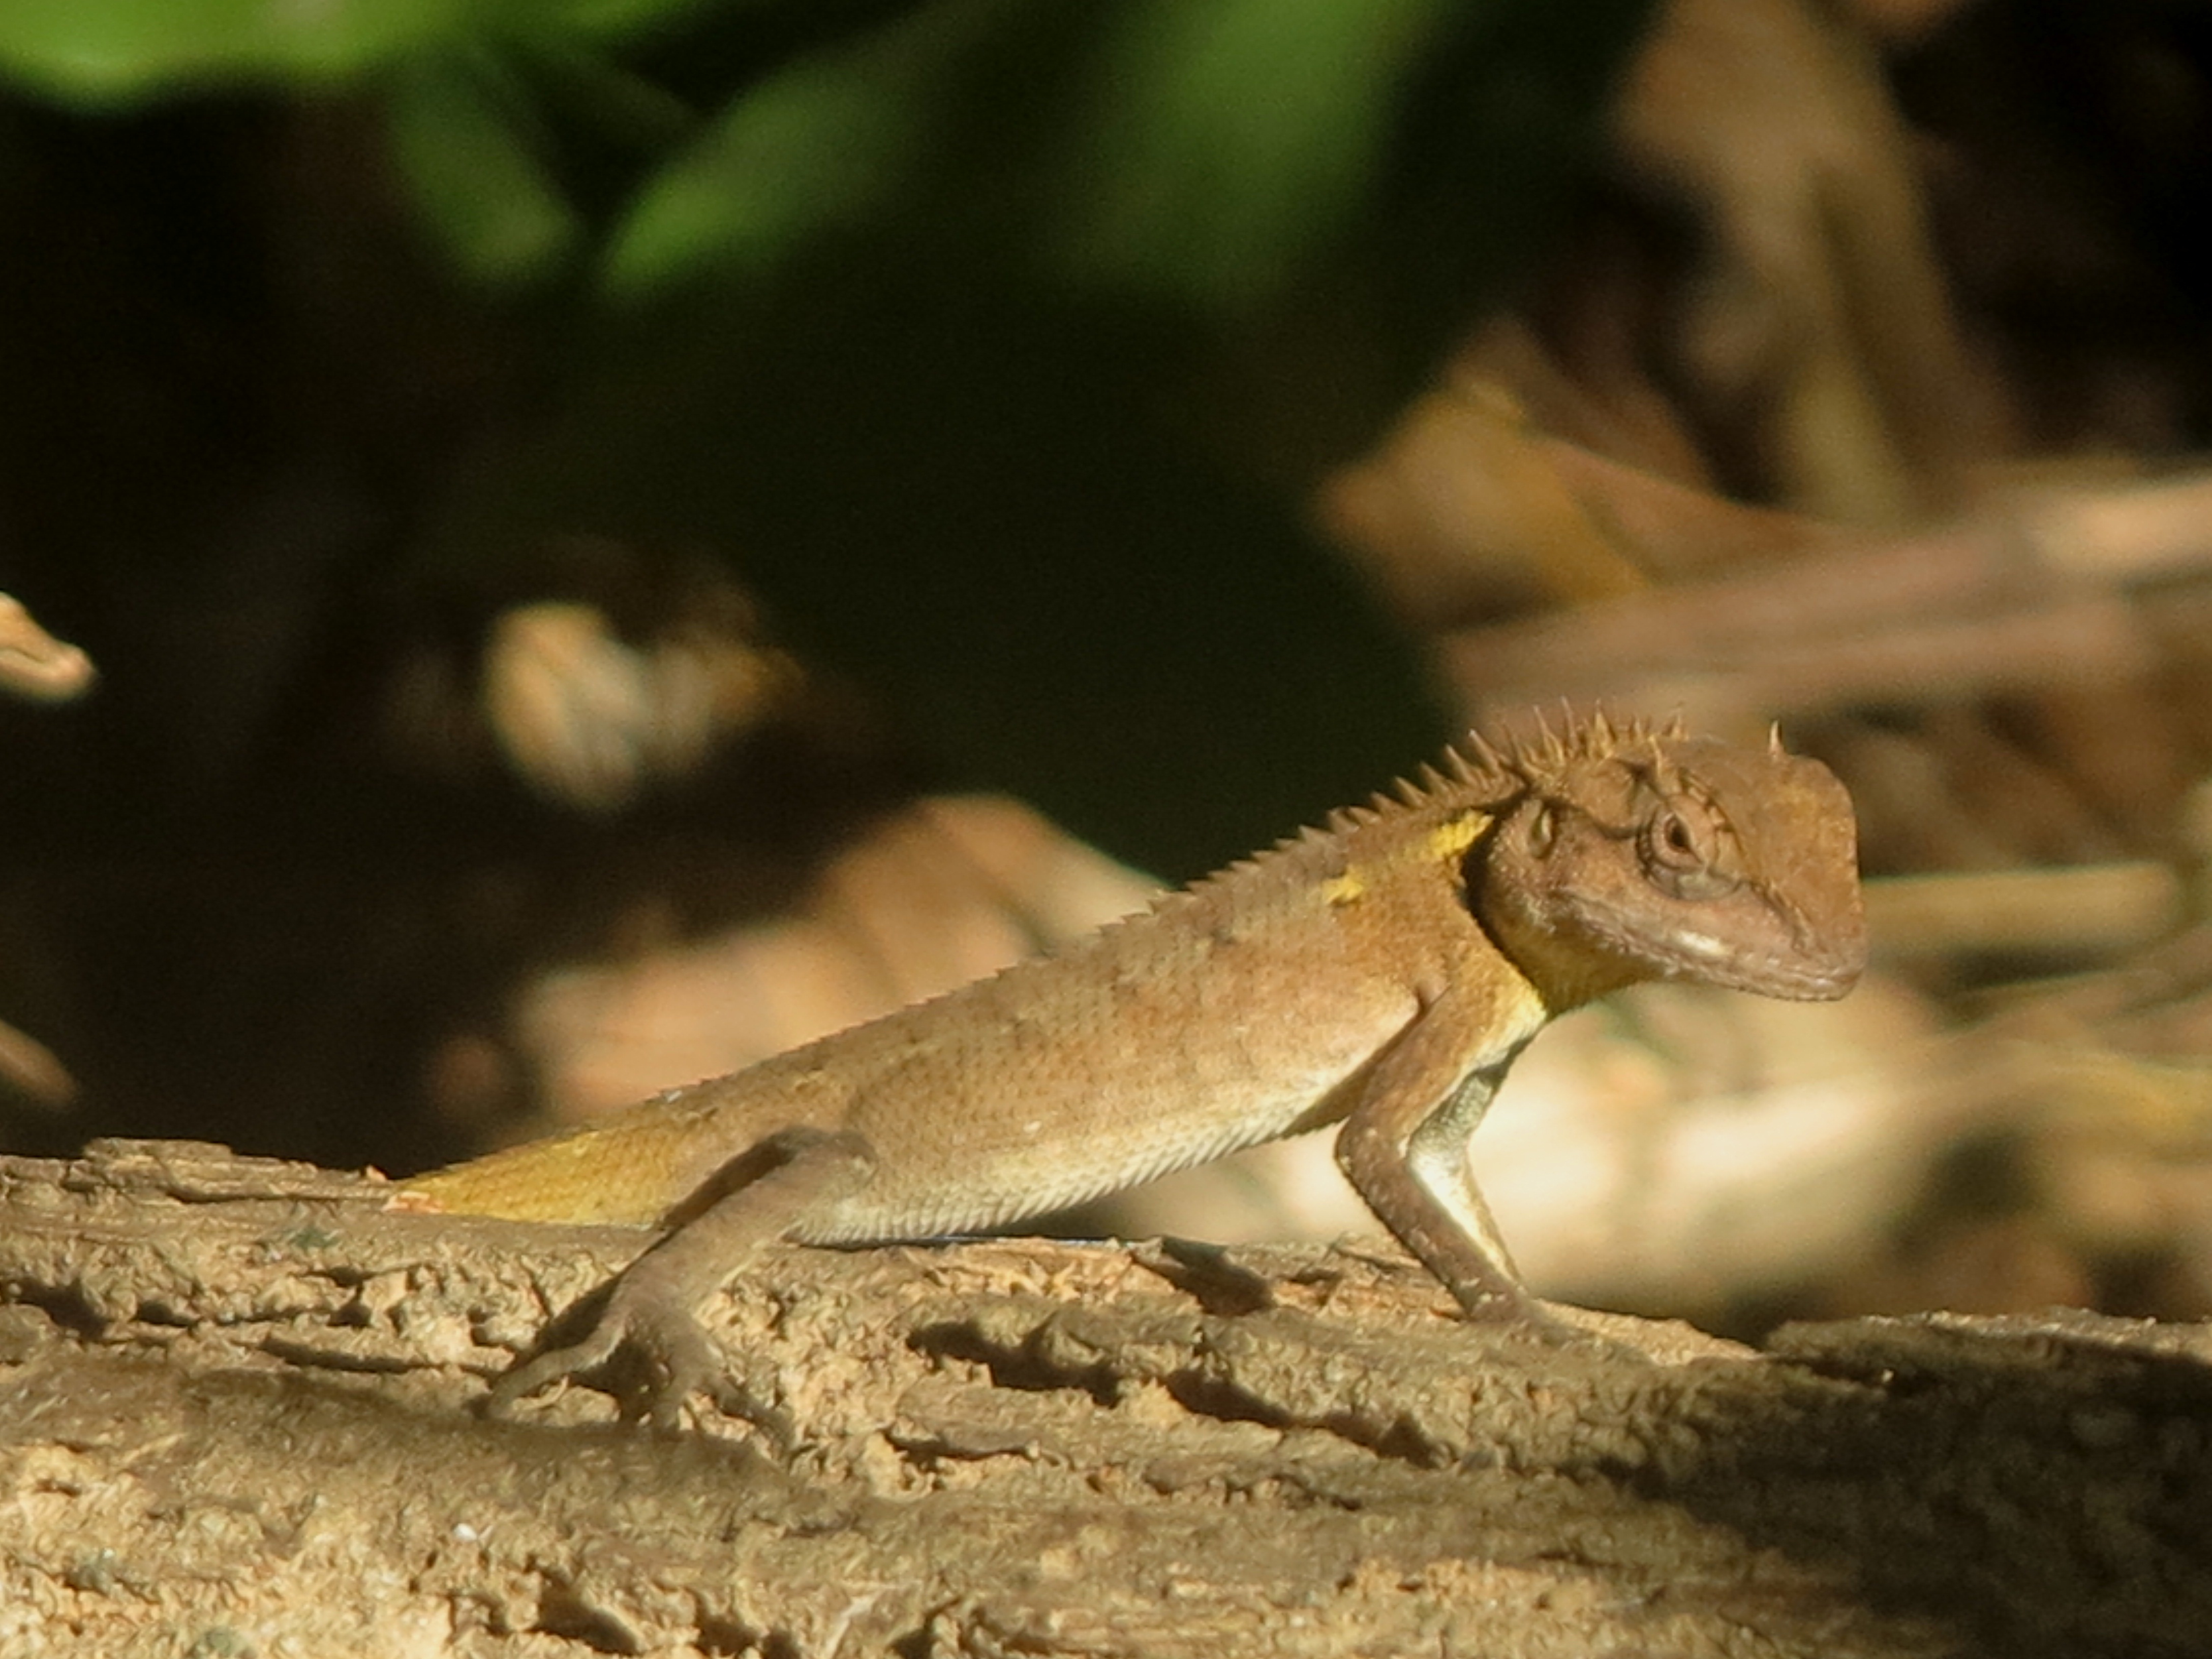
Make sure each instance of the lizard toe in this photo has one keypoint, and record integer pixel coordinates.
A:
(533, 1374)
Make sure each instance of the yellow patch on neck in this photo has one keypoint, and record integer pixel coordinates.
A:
(1451, 838)
(1444, 844)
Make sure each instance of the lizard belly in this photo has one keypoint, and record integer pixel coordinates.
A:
(1010, 1158)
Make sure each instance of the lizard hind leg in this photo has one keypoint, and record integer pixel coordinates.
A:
(651, 1310)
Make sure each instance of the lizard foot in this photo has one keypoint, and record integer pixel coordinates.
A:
(646, 1331)
(653, 1356)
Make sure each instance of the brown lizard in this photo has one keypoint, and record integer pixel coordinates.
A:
(1381, 971)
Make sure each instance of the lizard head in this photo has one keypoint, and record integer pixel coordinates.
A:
(1630, 853)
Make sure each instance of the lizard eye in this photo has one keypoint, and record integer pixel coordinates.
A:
(1671, 840)
(1543, 829)
(1680, 848)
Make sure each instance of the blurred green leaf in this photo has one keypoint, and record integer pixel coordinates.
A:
(464, 134)
(113, 52)
(826, 143)
(1222, 140)
(109, 51)
(1193, 149)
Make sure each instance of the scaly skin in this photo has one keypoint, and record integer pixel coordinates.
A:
(1381, 971)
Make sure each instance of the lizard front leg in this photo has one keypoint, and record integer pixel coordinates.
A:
(1404, 1148)
(653, 1306)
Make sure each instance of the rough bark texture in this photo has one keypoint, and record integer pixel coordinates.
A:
(234, 1418)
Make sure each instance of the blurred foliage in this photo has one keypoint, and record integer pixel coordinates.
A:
(993, 342)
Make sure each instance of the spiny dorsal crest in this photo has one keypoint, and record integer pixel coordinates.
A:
(1519, 761)
(1534, 758)
(1597, 737)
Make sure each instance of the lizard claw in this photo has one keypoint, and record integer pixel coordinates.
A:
(662, 1356)
(527, 1377)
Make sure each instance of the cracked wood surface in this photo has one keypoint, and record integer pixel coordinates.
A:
(233, 1410)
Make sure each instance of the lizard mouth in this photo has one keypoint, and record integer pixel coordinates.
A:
(1794, 981)
(1787, 971)
(1795, 976)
